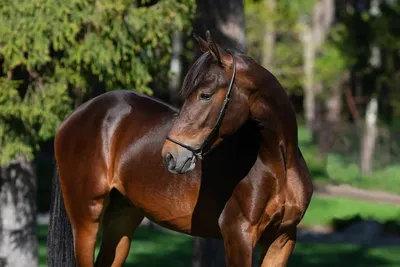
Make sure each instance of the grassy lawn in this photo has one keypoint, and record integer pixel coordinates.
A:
(152, 248)
(322, 210)
(344, 255)
(340, 169)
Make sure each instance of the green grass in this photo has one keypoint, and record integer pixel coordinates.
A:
(313, 255)
(42, 235)
(152, 248)
(322, 210)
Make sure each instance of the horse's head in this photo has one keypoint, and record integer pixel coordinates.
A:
(216, 105)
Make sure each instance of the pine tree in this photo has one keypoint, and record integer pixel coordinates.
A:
(54, 55)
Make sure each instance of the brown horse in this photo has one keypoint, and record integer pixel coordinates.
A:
(252, 187)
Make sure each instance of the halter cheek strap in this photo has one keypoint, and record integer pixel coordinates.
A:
(199, 152)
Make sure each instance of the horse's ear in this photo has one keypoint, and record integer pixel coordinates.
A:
(202, 43)
(220, 54)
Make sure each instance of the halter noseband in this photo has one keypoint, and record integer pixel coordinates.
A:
(198, 152)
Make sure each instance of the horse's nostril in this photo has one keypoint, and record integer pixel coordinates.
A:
(169, 159)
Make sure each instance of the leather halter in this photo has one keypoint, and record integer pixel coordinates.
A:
(198, 152)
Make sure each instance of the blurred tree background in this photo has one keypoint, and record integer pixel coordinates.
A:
(338, 60)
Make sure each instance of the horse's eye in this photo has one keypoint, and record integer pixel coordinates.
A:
(205, 96)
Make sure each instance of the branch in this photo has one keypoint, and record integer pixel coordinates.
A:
(36, 77)
(352, 105)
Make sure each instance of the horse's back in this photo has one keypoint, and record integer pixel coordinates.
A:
(86, 142)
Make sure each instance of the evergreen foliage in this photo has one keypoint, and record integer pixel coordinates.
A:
(55, 54)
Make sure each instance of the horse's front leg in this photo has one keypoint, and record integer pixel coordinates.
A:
(243, 220)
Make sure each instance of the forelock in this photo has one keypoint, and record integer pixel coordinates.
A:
(196, 73)
(198, 70)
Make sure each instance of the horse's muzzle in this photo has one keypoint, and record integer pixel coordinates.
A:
(179, 162)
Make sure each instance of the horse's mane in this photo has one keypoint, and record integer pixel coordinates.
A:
(196, 73)
(198, 70)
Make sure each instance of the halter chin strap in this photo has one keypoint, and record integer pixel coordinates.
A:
(198, 152)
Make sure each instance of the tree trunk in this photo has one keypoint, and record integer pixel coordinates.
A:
(175, 69)
(313, 36)
(225, 20)
(334, 104)
(323, 15)
(269, 36)
(371, 113)
(308, 68)
(18, 242)
(369, 137)
(330, 118)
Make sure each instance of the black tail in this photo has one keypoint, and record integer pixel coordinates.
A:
(60, 242)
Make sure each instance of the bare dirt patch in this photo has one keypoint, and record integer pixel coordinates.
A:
(347, 191)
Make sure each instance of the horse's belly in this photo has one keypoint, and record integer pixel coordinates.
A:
(175, 201)
(167, 199)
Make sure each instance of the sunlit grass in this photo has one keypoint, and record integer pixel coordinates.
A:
(323, 210)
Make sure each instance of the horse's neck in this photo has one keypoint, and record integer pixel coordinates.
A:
(278, 126)
(270, 105)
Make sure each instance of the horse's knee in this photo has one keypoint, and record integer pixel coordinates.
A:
(233, 224)
(239, 240)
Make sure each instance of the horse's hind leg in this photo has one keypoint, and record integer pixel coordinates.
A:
(119, 223)
(84, 194)
(277, 253)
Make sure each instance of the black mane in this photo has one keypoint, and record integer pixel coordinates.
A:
(198, 70)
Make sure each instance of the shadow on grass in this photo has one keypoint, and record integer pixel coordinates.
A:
(151, 247)
(343, 255)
